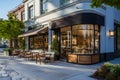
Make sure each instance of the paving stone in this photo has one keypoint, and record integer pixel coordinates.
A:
(5, 78)
(2, 72)
(24, 78)
(17, 77)
(13, 74)
(5, 75)
(9, 74)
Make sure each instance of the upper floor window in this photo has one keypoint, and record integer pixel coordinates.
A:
(117, 36)
(64, 2)
(44, 6)
(17, 16)
(23, 16)
(30, 12)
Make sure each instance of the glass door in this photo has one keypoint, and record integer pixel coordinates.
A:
(65, 41)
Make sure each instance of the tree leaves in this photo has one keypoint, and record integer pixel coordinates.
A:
(112, 3)
(11, 28)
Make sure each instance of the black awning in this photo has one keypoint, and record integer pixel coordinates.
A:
(81, 18)
(34, 32)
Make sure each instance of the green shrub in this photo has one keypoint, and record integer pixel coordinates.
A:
(6, 49)
(115, 70)
(108, 71)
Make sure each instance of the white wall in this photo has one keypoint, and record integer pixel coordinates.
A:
(82, 7)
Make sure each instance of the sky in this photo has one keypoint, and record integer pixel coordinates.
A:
(6, 6)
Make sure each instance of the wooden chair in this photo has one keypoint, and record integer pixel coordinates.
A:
(14, 53)
(45, 57)
(28, 55)
(22, 54)
(48, 58)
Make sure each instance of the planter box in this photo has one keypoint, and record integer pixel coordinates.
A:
(6, 53)
(83, 58)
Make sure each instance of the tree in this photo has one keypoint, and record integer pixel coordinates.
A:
(112, 3)
(11, 28)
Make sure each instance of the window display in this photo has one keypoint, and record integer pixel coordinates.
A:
(39, 42)
(82, 39)
(87, 39)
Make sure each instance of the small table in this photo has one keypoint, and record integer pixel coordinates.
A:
(43, 57)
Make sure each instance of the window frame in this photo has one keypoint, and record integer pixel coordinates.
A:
(31, 12)
(44, 9)
(23, 15)
(64, 2)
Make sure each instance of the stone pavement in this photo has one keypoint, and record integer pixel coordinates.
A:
(8, 73)
(20, 69)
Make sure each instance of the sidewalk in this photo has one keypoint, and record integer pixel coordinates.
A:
(58, 70)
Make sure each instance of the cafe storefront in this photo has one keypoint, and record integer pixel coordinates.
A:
(37, 38)
(79, 37)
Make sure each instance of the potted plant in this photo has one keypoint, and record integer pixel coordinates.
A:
(55, 48)
(6, 51)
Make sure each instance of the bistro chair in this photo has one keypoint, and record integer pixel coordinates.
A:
(28, 55)
(39, 58)
(14, 53)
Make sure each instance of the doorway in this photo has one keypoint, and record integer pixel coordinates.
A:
(65, 41)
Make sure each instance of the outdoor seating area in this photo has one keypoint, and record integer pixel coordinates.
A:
(38, 56)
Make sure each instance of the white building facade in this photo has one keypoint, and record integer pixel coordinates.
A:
(78, 28)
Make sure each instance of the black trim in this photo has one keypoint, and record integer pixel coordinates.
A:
(81, 18)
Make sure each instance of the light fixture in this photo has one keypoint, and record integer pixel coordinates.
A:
(111, 33)
(53, 36)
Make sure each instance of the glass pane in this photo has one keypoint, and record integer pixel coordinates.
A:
(64, 2)
(118, 31)
(96, 27)
(118, 43)
(44, 6)
(31, 12)
(65, 41)
(83, 39)
(96, 40)
(31, 42)
(38, 42)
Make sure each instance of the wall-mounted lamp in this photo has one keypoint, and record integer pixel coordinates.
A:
(111, 33)
(53, 36)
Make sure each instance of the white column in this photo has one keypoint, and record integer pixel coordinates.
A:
(49, 39)
(26, 38)
(26, 11)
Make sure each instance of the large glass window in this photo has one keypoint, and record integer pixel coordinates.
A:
(117, 41)
(39, 42)
(85, 39)
(82, 39)
(30, 12)
(44, 6)
(64, 2)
